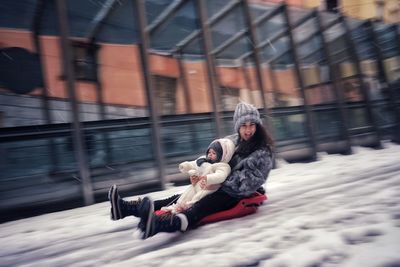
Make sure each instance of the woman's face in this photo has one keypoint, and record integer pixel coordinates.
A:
(247, 130)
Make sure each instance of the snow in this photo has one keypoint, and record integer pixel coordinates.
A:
(337, 211)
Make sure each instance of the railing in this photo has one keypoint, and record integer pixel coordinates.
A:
(29, 177)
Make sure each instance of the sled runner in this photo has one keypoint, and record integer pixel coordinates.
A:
(245, 207)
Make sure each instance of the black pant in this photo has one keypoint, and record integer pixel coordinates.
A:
(213, 203)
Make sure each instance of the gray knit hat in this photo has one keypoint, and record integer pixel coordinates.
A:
(245, 113)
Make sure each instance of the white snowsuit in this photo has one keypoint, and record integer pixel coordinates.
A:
(216, 174)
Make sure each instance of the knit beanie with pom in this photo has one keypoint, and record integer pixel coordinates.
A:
(245, 113)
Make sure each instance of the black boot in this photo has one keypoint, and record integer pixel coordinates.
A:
(121, 208)
(146, 213)
(165, 223)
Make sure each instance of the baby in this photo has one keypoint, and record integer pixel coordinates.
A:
(207, 173)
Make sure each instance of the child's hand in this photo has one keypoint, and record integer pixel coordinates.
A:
(180, 207)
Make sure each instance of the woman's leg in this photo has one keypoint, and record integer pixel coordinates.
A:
(212, 203)
(121, 208)
(151, 224)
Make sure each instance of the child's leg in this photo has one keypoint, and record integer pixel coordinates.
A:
(212, 203)
(199, 195)
(187, 195)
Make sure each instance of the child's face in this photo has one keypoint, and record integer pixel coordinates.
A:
(212, 155)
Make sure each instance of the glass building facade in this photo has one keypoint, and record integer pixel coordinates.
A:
(94, 93)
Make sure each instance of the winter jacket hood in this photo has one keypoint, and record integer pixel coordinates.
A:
(228, 148)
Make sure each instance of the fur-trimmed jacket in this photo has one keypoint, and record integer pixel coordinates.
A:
(248, 173)
(215, 173)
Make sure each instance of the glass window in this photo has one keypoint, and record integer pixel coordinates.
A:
(166, 93)
(85, 62)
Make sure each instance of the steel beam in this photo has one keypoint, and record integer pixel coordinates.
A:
(211, 67)
(150, 89)
(167, 13)
(309, 118)
(269, 41)
(340, 101)
(364, 90)
(279, 35)
(213, 20)
(245, 31)
(257, 59)
(229, 42)
(384, 79)
(78, 139)
(95, 25)
(37, 26)
(36, 29)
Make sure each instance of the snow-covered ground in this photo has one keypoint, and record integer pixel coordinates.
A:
(338, 211)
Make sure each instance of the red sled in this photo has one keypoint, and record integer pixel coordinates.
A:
(245, 207)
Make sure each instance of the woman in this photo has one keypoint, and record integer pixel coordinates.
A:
(250, 166)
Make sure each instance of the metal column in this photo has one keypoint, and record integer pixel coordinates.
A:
(336, 88)
(93, 29)
(384, 79)
(79, 144)
(37, 26)
(307, 109)
(355, 59)
(150, 93)
(257, 58)
(102, 111)
(211, 71)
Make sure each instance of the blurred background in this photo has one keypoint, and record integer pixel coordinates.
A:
(102, 92)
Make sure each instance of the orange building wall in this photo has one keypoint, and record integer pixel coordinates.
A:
(164, 66)
(200, 96)
(13, 38)
(121, 75)
(231, 77)
(51, 59)
(118, 72)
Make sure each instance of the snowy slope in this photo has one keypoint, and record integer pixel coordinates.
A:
(338, 211)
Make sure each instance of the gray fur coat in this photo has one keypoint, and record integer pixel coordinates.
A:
(249, 173)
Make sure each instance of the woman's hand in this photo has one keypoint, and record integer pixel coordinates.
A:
(194, 179)
(203, 182)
